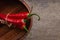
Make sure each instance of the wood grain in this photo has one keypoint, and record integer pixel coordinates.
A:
(11, 7)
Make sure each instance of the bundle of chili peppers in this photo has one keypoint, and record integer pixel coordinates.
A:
(18, 19)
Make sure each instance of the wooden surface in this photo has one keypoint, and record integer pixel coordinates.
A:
(11, 7)
(48, 28)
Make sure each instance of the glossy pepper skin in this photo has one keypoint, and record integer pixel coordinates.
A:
(20, 23)
(12, 19)
(2, 16)
(22, 15)
(18, 18)
(22, 27)
(19, 15)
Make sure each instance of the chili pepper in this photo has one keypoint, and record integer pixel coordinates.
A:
(13, 18)
(23, 15)
(23, 27)
(2, 16)
(17, 22)
(20, 22)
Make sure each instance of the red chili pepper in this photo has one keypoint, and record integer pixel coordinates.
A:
(22, 27)
(19, 22)
(2, 16)
(22, 15)
(17, 19)
(19, 15)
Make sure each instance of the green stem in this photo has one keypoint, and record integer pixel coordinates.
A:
(25, 29)
(25, 20)
(34, 14)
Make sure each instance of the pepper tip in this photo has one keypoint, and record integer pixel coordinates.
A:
(25, 29)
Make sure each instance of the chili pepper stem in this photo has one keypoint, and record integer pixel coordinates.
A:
(34, 14)
(25, 29)
(29, 15)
